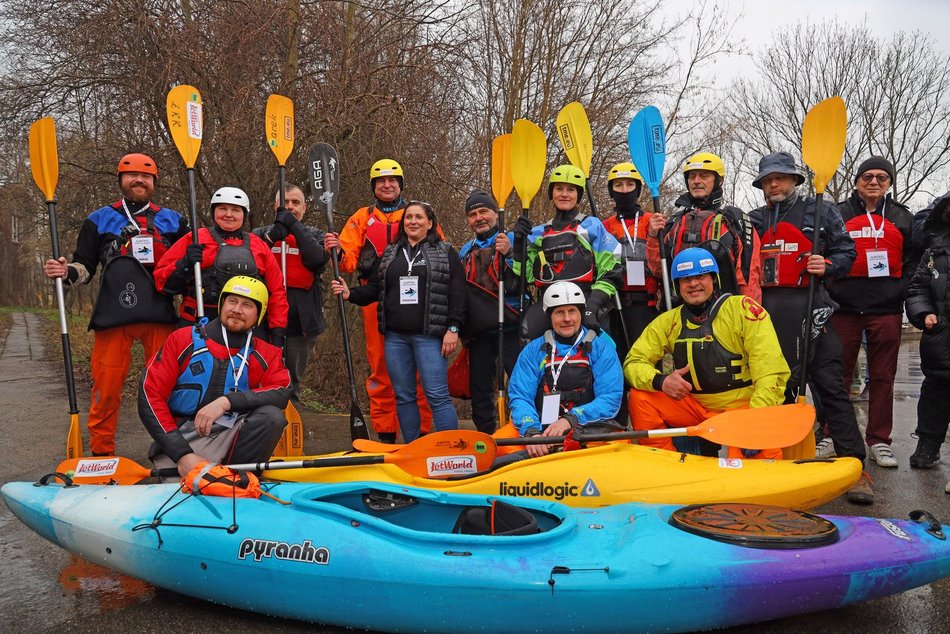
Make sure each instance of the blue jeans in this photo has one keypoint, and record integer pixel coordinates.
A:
(405, 355)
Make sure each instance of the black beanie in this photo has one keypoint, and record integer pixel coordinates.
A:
(479, 198)
(875, 163)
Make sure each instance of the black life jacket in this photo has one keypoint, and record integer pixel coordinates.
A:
(576, 381)
(230, 260)
(703, 228)
(562, 256)
(712, 368)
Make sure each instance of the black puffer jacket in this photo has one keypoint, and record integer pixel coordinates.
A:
(876, 295)
(929, 293)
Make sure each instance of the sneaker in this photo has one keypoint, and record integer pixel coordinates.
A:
(825, 448)
(883, 456)
(926, 456)
(861, 492)
(948, 487)
(862, 397)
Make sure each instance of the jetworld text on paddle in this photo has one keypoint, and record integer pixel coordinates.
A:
(264, 548)
(542, 489)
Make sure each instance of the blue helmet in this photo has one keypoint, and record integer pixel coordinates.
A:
(694, 261)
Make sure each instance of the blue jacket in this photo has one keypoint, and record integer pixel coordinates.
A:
(524, 382)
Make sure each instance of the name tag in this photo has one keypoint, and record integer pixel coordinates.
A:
(143, 249)
(550, 408)
(877, 264)
(636, 273)
(408, 290)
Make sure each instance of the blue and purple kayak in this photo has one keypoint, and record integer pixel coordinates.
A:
(397, 559)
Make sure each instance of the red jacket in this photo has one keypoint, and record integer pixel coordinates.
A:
(171, 279)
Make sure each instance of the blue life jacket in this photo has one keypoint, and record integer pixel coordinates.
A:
(191, 389)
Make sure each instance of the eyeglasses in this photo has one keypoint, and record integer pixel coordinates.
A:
(881, 178)
(420, 203)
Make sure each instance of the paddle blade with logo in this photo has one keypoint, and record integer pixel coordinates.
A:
(501, 183)
(279, 124)
(44, 158)
(823, 138)
(573, 128)
(324, 176)
(646, 138)
(528, 156)
(183, 108)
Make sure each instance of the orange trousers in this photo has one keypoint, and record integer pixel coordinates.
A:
(111, 355)
(656, 410)
(382, 399)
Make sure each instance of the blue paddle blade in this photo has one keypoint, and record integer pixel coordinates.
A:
(646, 137)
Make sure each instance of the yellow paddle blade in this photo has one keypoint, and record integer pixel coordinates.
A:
(823, 138)
(279, 120)
(74, 438)
(529, 151)
(573, 128)
(44, 160)
(185, 122)
(501, 169)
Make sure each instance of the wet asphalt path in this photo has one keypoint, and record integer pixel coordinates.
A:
(44, 589)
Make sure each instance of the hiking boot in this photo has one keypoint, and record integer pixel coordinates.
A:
(825, 448)
(861, 492)
(926, 456)
(862, 397)
(387, 437)
(883, 456)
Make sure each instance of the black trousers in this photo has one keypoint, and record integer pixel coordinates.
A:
(483, 363)
(933, 411)
(787, 310)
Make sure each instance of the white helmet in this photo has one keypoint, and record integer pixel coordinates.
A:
(562, 294)
(231, 196)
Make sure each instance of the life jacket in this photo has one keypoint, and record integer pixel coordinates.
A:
(889, 238)
(298, 275)
(576, 381)
(703, 228)
(229, 261)
(481, 265)
(562, 257)
(712, 368)
(379, 235)
(636, 252)
(786, 245)
(191, 388)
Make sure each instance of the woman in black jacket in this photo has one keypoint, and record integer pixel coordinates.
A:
(928, 308)
(420, 287)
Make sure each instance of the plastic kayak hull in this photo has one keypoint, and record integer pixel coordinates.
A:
(384, 557)
(620, 473)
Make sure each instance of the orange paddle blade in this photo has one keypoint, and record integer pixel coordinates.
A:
(501, 183)
(759, 428)
(104, 470)
(444, 454)
(279, 119)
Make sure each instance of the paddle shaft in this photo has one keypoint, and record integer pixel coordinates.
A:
(277, 465)
(61, 306)
(664, 271)
(670, 432)
(193, 208)
(809, 305)
(282, 197)
(500, 366)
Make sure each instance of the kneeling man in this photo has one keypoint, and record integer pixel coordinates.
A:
(725, 356)
(215, 391)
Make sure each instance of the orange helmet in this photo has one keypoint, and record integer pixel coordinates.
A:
(137, 163)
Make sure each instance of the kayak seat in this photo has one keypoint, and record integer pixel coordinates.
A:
(500, 519)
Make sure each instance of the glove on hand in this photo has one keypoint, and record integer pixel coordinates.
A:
(592, 310)
(521, 231)
(277, 232)
(192, 256)
(286, 218)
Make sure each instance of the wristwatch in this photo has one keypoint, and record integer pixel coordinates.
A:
(454, 329)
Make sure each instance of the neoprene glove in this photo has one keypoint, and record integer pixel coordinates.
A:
(276, 233)
(192, 256)
(521, 231)
(592, 311)
(286, 219)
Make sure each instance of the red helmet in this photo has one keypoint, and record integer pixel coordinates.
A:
(137, 163)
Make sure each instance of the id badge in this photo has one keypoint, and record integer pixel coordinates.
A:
(143, 249)
(550, 408)
(877, 264)
(636, 273)
(408, 290)
(770, 263)
(226, 420)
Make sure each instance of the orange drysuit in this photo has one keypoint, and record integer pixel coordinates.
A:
(363, 240)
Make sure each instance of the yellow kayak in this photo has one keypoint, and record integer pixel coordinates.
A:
(617, 473)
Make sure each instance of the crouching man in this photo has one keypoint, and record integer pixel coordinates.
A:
(215, 391)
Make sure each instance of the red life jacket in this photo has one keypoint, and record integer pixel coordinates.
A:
(298, 275)
(567, 260)
(481, 267)
(711, 230)
(891, 241)
(146, 223)
(790, 247)
(380, 234)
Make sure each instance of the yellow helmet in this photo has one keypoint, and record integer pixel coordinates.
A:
(623, 170)
(705, 161)
(249, 287)
(385, 167)
(570, 175)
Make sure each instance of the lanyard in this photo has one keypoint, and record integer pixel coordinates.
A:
(238, 371)
(636, 223)
(875, 230)
(556, 371)
(128, 214)
(405, 253)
